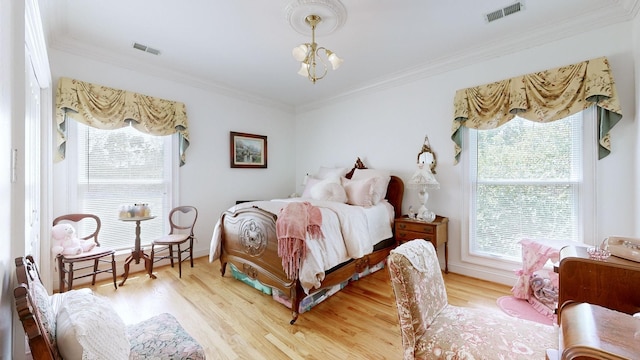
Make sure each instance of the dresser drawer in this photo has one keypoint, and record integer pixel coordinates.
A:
(403, 235)
(415, 227)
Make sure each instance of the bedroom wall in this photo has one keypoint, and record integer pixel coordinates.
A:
(636, 51)
(386, 129)
(206, 180)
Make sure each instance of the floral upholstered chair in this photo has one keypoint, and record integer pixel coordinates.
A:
(433, 329)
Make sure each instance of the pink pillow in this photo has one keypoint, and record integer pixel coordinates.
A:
(359, 192)
(379, 187)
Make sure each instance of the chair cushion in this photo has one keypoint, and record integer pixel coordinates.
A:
(472, 333)
(91, 254)
(162, 337)
(171, 239)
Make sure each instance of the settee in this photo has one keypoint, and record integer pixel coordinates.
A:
(80, 325)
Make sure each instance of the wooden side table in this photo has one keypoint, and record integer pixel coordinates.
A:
(612, 283)
(137, 253)
(436, 232)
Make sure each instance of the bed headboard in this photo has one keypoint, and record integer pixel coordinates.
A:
(395, 190)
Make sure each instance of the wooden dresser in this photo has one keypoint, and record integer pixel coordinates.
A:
(436, 231)
(613, 283)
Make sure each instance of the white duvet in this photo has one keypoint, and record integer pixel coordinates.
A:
(350, 232)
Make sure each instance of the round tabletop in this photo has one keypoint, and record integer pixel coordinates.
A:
(137, 218)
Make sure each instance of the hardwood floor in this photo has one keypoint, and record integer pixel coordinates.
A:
(234, 321)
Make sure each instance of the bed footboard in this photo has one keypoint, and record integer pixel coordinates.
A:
(249, 242)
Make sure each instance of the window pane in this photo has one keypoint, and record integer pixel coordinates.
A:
(528, 178)
(123, 167)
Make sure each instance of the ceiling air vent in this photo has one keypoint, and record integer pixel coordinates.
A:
(506, 11)
(145, 48)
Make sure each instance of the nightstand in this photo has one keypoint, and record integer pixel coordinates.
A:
(436, 231)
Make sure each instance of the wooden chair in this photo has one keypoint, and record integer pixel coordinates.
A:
(66, 263)
(182, 220)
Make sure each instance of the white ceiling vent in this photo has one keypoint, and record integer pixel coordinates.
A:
(145, 48)
(506, 11)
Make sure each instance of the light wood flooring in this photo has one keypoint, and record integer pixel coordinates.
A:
(234, 321)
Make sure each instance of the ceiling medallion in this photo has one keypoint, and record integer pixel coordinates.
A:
(332, 12)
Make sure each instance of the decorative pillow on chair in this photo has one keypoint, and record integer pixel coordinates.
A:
(89, 328)
(45, 311)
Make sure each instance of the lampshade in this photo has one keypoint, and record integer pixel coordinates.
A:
(423, 179)
(313, 59)
(334, 59)
(304, 69)
(300, 52)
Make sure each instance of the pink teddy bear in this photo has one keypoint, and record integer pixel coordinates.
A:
(65, 241)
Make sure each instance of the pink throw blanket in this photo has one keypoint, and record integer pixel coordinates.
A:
(294, 222)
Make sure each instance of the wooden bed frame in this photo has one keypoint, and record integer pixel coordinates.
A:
(249, 242)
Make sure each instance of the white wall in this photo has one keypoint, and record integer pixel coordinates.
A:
(386, 129)
(206, 180)
(636, 151)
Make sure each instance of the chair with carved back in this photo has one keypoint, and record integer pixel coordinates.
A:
(182, 220)
(89, 262)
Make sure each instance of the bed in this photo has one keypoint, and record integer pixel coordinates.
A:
(245, 238)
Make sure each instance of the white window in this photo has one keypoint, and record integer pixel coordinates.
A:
(530, 180)
(111, 168)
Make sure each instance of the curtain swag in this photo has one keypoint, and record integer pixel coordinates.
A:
(107, 108)
(542, 97)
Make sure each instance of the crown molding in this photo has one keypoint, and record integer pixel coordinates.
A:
(546, 32)
(138, 65)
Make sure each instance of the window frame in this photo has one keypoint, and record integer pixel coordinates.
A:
(587, 191)
(170, 161)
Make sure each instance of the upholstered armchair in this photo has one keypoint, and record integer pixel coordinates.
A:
(433, 329)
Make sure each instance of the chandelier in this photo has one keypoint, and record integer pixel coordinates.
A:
(313, 59)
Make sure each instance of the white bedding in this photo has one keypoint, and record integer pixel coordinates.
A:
(350, 232)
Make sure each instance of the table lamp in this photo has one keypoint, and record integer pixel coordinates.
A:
(423, 179)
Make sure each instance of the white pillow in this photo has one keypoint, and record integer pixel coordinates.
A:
(57, 299)
(311, 182)
(380, 187)
(359, 192)
(333, 173)
(329, 190)
(87, 327)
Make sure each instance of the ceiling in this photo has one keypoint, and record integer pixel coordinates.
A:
(243, 47)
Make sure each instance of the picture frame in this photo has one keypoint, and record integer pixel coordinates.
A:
(247, 150)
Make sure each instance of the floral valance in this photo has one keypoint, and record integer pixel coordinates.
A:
(543, 97)
(108, 108)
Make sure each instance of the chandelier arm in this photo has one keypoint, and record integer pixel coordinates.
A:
(316, 58)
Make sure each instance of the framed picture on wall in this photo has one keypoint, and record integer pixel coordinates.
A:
(248, 150)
